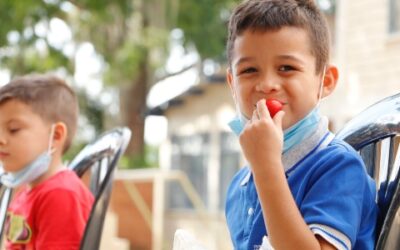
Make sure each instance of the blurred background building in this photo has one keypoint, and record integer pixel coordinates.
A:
(158, 67)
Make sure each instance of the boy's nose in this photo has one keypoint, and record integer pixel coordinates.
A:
(3, 140)
(268, 84)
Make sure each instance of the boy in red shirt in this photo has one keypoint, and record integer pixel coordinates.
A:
(38, 119)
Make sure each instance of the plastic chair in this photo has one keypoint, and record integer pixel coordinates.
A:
(101, 157)
(375, 134)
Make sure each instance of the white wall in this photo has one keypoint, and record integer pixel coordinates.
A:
(368, 58)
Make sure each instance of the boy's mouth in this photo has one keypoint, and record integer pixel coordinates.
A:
(3, 155)
(283, 103)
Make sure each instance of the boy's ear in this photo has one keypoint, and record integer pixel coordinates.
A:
(330, 80)
(60, 134)
(229, 80)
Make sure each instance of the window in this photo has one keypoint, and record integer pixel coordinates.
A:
(229, 163)
(190, 155)
(394, 16)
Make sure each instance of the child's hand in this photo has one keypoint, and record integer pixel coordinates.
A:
(262, 138)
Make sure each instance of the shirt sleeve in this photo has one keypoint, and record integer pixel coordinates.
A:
(61, 220)
(333, 205)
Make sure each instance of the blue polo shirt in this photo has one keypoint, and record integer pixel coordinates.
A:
(332, 190)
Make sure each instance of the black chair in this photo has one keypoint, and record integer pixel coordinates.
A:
(375, 134)
(101, 157)
(5, 198)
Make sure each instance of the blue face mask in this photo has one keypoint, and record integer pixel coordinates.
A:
(237, 124)
(30, 172)
(296, 133)
(293, 135)
(302, 129)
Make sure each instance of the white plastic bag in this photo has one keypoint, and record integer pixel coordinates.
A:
(183, 240)
(266, 245)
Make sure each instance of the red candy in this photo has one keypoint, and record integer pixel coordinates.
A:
(274, 106)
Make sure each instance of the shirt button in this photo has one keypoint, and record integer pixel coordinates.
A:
(250, 211)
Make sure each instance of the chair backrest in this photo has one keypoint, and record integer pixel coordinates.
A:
(5, 198)
(375, 134)
(101, 157)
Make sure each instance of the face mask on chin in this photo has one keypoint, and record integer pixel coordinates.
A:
(31, 171)
(238, 123)
(294, 134)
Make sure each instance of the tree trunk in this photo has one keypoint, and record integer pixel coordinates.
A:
(135, 105)
(137, 96)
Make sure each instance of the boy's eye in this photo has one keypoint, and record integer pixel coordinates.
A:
(13, 130)
(286, 68)
(248, 70)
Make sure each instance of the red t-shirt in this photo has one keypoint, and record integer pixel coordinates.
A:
(51, 215)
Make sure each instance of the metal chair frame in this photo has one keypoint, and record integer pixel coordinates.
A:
(375, 134)
(101, 157)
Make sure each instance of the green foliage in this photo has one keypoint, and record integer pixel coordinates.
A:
(148, 160)
(93, 110)
(73, 151)
(204, 24)
(30, 60)
(102, 7)
(21, 57)
(125, 33)
(22, 14)
(103, 23)
(125, 64)
(121, 37)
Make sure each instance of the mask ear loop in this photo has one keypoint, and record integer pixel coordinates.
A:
(321, 86)
(51, 150)
(242, 117)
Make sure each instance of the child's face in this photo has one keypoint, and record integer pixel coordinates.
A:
(23, 135)
(275, 64)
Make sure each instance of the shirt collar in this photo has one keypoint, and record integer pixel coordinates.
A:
(298, 152)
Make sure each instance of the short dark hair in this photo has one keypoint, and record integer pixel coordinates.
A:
(265, 15)
(48, 96)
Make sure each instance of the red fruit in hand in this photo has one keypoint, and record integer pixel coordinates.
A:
(273, 106)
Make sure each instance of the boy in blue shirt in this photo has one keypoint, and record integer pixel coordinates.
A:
(302, 188)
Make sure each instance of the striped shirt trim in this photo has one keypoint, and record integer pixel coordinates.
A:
(333, 236)
(316, 149)
(246, 179)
